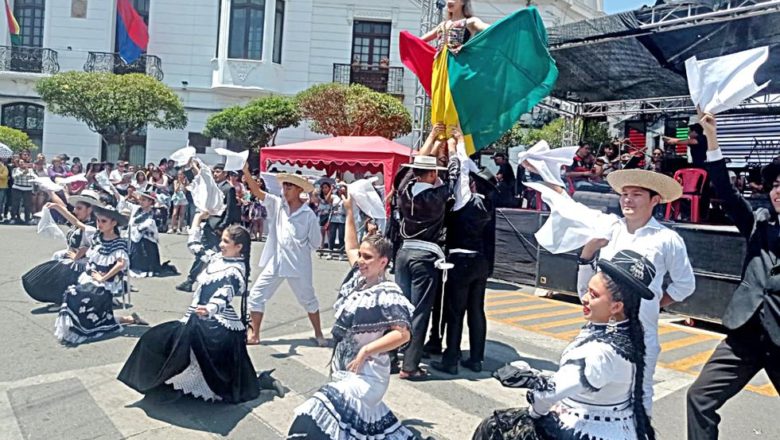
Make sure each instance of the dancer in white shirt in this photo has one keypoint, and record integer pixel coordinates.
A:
(293, 234)
(640, 192)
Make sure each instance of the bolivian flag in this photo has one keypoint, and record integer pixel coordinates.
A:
(13, 26)
(497, 76)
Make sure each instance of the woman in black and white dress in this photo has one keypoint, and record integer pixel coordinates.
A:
(597, 391)
(144, 237)
(204, 353)
(87, 306)
(372, 318)
(47, 281)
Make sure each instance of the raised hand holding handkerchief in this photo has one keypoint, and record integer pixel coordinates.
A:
(548, 162)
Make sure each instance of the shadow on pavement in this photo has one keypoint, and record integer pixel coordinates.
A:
(197, 414)
(293, 343)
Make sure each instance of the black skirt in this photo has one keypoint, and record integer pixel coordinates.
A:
(144, 258)
(164, 351)
(48, 281)
(517, 424)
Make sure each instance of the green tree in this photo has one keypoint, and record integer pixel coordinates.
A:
(256, 124)
(16, 140)
(353, 110)
(113, 105)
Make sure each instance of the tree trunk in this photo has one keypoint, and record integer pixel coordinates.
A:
(124, 152)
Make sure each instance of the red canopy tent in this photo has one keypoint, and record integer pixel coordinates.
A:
(372, 154)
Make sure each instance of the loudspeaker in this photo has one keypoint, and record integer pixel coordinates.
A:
(558, 271)
(608, 203)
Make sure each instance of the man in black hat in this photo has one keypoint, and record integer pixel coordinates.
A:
(232, 214)
(471, 248)
(422, 202)
(753, 315)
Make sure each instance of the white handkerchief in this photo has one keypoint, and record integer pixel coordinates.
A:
(272, 185)
(233, 161)
(48, 228)
(46, 184)
(206, 195)
(183, 155)
(364, 195)
(463, 190)
(721, 83)
(72, 179)
(571, 225)
(548, 162)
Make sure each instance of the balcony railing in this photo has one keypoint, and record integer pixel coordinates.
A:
(377, 77)
(112, 62)
(28, 59)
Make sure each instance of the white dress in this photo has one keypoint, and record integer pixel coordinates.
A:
(351, 406)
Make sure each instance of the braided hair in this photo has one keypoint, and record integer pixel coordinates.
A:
(240, 235)
(636, 333)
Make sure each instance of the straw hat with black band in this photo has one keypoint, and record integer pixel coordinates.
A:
(87, 196)
(149, 195)
(424, 163)
(111, 212)
(630, 269)
(666, 187)
(294, 179)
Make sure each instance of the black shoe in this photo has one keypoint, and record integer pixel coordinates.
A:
(441, 366)
(186, 286)
(475, 366)
(395, 367)
(432, 350)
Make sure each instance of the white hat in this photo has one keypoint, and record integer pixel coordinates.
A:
(87, 196)
(296, 180)
(421, 162)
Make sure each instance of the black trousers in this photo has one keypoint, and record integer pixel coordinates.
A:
(21, 198)
(418, 278)
(465, 295)
(740, 356)
(437, 321)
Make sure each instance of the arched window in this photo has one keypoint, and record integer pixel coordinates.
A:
(247, 22)
(30, 14)
(25, 117)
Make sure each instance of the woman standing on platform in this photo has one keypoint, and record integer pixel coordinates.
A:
(47, 281)
(597, 391)
(372, 318)
(87, 307)
(458, 28)
(204, 353)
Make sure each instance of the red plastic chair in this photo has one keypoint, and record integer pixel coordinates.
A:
(692, 181)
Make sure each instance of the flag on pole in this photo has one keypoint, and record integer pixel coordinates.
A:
(498, 75)
(132, 35)
(13, 26)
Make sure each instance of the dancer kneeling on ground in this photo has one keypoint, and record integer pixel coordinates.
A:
(372, 318)
(204, 354)
(47, 281)
(144, 238)
(86, 311)
(597, 391)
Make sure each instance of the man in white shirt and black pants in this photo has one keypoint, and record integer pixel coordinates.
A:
(294, 234)
(640, 192)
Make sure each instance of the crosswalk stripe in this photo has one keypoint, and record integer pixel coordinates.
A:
(682, 342)
(9, 428)
(497, 295)
(545, 305)
(496, 312)
(404, 399)
(765, 390)
(559, 323)
(552, 314)
(503, 302)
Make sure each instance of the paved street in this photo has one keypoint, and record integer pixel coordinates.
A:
(48, 391)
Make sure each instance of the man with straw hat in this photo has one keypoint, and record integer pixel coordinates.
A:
(572, 225)
(294, 233)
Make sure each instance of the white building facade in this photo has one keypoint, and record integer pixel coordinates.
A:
(217, 53)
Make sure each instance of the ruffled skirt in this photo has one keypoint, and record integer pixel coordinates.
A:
(47, 282)
(517, 424)
(86, 313)
(144, 259)
(347, 409)
(200, 357)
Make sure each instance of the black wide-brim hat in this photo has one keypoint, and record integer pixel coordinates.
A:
(632, 271)
(111, 212)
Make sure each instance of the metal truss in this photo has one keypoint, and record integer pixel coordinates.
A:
(667, 17)
(669, 104)
(430, 16)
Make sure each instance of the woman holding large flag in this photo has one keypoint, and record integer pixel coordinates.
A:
(506, 64)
